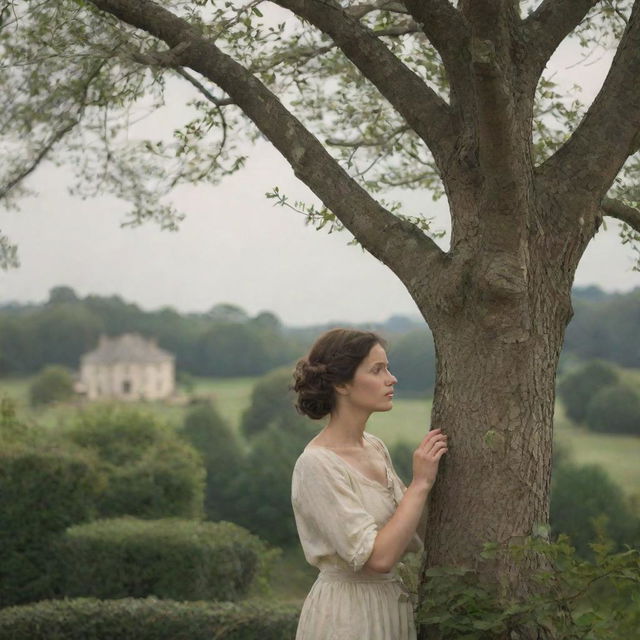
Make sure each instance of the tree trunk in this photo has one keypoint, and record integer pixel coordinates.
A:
(497, 354)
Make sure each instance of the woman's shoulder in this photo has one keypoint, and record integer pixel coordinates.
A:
(378, 442)
(313, 457)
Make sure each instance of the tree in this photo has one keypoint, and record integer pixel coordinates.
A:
(272, 401)
(52, 384)
(62, 294)
(579, 386)
(614, 409)
(221, 453)
(412, 360)
(423, 94)
(580, 495)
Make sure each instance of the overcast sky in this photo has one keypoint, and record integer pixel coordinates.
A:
(236, 247)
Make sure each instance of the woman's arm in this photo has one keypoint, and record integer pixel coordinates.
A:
(392, 540)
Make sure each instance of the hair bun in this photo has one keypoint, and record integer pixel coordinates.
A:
(317, 368)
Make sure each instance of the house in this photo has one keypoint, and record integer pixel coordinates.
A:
(127, 367)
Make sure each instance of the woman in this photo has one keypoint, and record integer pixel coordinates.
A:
(355, 517)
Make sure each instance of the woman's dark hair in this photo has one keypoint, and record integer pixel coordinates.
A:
(333, 360)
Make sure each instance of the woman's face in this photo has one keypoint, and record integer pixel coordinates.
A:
(372, 385)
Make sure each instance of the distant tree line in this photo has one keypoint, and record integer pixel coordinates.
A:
(605, 326)
(223, 342)
(227, 342)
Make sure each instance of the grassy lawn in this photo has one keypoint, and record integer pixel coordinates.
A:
(231, 395)
(619, 455)
(409, 420)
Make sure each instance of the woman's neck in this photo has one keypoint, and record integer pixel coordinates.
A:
(345, 429)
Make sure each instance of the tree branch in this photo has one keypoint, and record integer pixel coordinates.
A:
(448, 32)
(395, 242)
(41, 155)
(359, 11)
(219, 102)
(621, 211)
(368, 142)
(550, 24)
(610, 131)
(427, 114)
(300, 55)
(58, 135)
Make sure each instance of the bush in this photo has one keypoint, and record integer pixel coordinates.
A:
(614, 409)
(43, 490)
(212, 437)
(580, 495)
(150, 471)
(271, 399)
(149, 619)
(12, 429)
(172, 559)
(579, 386)
(52, 384)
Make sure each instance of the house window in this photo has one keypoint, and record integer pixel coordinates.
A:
(126, 386)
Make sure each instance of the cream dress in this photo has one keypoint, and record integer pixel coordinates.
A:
(338, 512)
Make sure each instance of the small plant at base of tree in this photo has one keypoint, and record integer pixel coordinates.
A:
(571, 598)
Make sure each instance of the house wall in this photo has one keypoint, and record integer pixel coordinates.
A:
(128, 381)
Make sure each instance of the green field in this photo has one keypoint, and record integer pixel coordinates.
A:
(231, 395)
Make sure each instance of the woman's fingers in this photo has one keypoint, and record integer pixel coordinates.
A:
(433, 448)
(435, 442)
(434, 433)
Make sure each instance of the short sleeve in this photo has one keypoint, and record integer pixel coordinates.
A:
(329, 515)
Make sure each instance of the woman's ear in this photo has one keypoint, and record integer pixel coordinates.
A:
(341, 389)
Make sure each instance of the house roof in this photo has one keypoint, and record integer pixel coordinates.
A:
(129, 348)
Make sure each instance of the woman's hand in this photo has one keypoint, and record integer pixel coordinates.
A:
(427, 456)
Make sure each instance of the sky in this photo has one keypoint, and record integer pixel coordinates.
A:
(236, 247)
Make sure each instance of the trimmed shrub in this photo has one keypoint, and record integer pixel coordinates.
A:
(150, 471)
(615, 409)
(579, 386)
(581, 495)
(148, 619)
(172, 559)
(52, 384)
(213, 438)
(43, 490)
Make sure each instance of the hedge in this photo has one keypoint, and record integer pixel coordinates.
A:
(43, 490)
(171, 558)
(148, 619)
